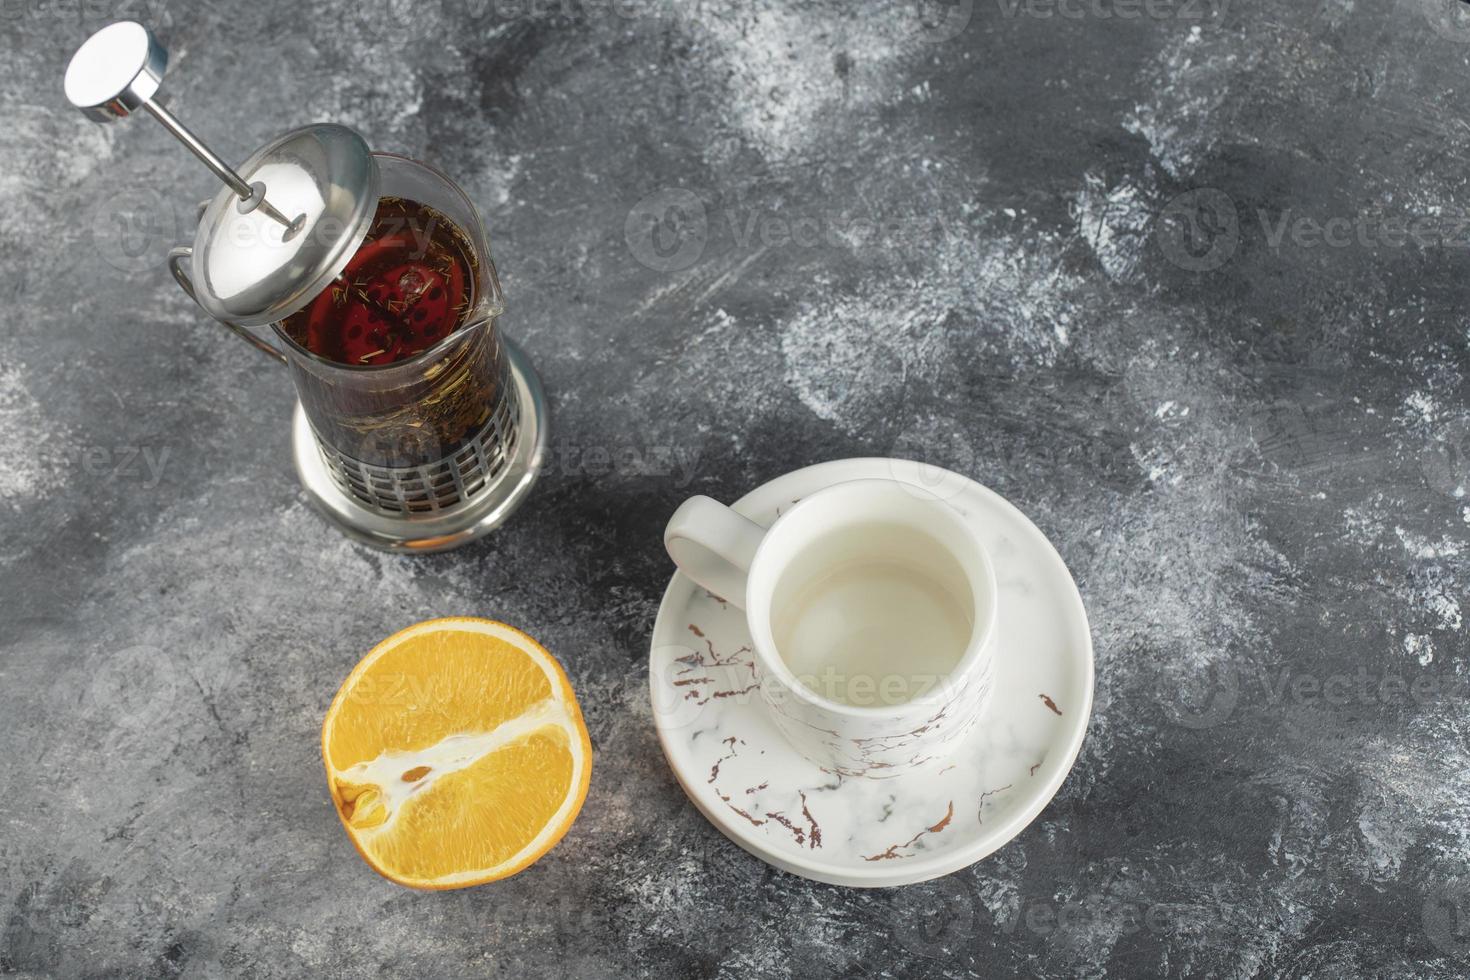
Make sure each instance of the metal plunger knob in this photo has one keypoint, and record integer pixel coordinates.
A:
(118, 70)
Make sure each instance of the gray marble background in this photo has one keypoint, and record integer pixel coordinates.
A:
(1184, 279)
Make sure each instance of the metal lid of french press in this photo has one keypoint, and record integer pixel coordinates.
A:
(251, 265)
(250, 270)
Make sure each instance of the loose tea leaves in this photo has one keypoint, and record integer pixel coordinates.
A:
(409, 286)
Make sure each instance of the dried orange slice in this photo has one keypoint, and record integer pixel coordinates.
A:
(456, 753)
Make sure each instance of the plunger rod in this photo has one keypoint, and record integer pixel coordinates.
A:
(212, 160)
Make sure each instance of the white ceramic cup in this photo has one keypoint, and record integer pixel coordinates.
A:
(894, 699)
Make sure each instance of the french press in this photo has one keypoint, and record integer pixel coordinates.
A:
(418, 426)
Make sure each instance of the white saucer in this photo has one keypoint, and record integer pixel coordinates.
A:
(744, 777)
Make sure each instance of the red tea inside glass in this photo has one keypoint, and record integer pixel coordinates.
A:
(410, 285)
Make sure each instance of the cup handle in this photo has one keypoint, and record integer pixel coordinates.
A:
(714, 546)
(176, 257)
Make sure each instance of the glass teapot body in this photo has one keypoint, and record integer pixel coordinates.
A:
(421, 409)
(426, 431)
